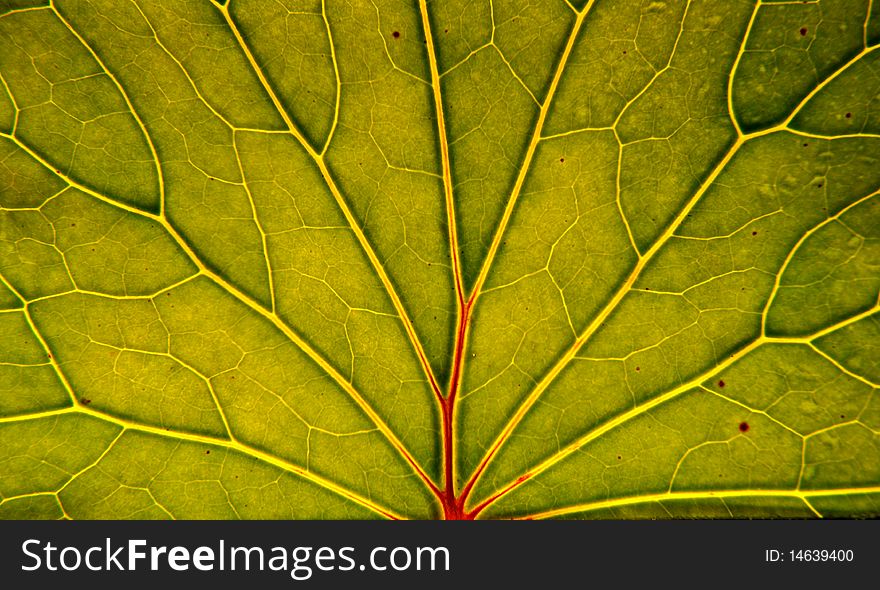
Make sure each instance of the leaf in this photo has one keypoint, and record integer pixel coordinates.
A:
(322, 259)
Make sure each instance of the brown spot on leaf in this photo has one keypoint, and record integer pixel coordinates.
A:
(207, 452)
(848, 115)
(638, 368)
(803, 31)
(743, 426)
(396, 34)
(754, 233)
(721, 383)
(85, 401)
(562, 160)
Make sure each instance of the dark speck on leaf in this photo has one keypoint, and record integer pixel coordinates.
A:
(806, 145)
(445, 30)
(562, 159)
(638, 368)
(803, 31)
(721, 383)
(743, 426)
(85, 401)
(619, 457)
(396, 34)
(848, 115)
(207, 452)
(842, 416)
(819, 185)
(754, 233)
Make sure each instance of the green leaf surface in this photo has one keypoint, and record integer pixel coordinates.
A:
(459, 258)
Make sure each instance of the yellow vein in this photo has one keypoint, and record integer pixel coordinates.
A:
(621, 419)
(216, 442)
(821, 86)
(657, 73)
(841, 368)
(599, 320)
(124, 94)
(764, 413)
(444, 153)
(626, 287)
(93, 463)
(791, 253)
(530, 151)
(54, 362)
(262, 230)
(14, 103)
(691, 384)
(21, 10)
(617, 191)
(704, 495)
(253, 305)
(337, 195)
(742, 49)
(333, 58)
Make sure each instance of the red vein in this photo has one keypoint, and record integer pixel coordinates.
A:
(453, 505)
(452, 509)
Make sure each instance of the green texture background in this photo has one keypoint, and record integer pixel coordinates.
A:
(461, 258)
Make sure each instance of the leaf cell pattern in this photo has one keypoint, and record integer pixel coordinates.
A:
(460, 259)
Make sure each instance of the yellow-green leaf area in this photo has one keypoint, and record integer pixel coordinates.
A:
(327, 259)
